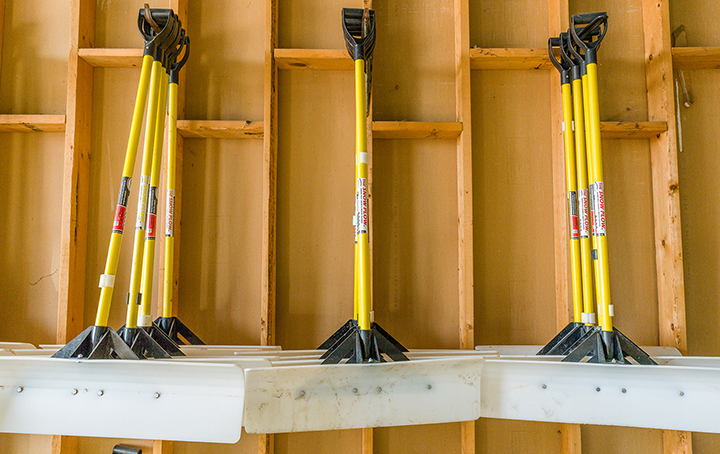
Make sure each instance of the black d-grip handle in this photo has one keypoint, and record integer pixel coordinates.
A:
(169, 43)
(586, 18)
(176, 66)
(576, 57)
(562, 65)
(359, 45)
(573, 57)
(589, 37)
(173, 50)
(164, 18)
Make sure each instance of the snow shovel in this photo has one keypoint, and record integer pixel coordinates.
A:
(577, 186)
(139, 340)
(361, 340)
(167, 323)
(99, 340)
(603, 343)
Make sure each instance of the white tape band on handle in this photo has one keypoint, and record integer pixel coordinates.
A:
(611, 310)
(363, 158)
(588, 317)
(355, 221)
(144, 320)
(107, 280)
(563, 126)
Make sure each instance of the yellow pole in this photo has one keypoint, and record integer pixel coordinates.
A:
(135, 273)
(591, 178)
(583, 202)
(598, 194)
(107, 280)
(571, 182)
(170, 202)
(145, 317)
(362, 236)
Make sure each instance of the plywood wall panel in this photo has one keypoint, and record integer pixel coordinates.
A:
(225, 70)
(220, 249)
(30, 181)
(312, 24)
(510, 23)
(699, 165)
(25, 444)
(415, 228)
(248, 444)
(631, 246)
(700, 20)
(35, 57)
(511, 437)
(621, 440)
(345, 441)
(414, 66)
(315, 206)
(512, 204)
(436, 438)
(113, 101)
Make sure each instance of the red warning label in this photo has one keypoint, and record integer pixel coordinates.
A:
(151, 222)
(121, 209)
(151, 213)
(119, 223)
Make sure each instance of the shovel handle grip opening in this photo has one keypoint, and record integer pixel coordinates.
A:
(176, 65)
(171, 41)
(570, 53)
(163, 18)
(575, 55)
(561, 64)
(359, 32)
(588, 38)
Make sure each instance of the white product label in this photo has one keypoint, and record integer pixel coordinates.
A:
(584, 213)
(598, 208)
(170, 213)
(361, 207)
(142, 202)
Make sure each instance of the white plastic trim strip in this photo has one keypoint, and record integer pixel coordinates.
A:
(107, 280)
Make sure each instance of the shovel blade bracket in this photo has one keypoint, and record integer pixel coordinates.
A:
(362, 346)
(607, 347)
(177, 331)
(96, 342)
